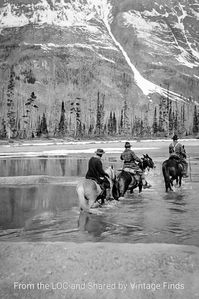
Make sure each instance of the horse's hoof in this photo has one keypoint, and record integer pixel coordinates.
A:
(147, 186)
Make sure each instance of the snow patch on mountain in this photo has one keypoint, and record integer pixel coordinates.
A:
(143, 27)
(147, 29)
(63, 14)
(95, 17)
(78, 45)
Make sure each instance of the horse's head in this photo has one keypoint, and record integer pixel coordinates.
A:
(147, 162)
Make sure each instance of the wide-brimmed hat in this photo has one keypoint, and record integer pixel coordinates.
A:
(175, 137)
(127, 144)
(100, 151)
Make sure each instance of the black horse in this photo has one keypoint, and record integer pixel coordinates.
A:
(126, 181)
(172, 170)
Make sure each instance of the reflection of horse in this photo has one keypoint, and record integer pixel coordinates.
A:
(89, 191)
(172, 170)
(127, 181)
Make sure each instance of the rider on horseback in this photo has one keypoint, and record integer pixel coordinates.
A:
(96, 173)
(177, 151)
(130, 165)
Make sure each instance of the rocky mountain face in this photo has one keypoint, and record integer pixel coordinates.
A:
(99, 67)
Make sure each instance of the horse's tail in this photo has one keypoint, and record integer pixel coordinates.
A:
(166, 175)
(83, 203)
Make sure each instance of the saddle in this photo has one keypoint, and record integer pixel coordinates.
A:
(134, 173)
(177, 159)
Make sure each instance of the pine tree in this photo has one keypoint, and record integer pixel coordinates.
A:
(10, 123)
(62, 120)
(3, 129)
(30, 108)
(155, 122)
(182, 123)
(78, 118)
(126, 125)
(100, 114)
(195, 121)
(44, 129)
(110, 124)
(114, 123)
(171, 121)
(164, 114)
(121, 125)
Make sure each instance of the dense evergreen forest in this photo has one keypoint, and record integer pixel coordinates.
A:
(161, 120)
(100, 115)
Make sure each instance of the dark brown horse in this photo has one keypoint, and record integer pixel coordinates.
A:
(172, 170)
(126, 181)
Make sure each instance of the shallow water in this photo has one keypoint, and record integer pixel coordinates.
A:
(49, 212)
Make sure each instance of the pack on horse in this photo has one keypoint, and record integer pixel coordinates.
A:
(175, 167)
(129, 181)
(89, 191)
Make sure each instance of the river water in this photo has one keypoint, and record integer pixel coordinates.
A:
(49, 211)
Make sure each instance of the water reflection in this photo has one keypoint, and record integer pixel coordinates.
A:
(50, 211)
(94, 224)
(66, 166)
(21, 205)
(63, 166)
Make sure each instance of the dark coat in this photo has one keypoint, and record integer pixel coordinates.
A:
(129, 158)
(178, 150)
(95, 170)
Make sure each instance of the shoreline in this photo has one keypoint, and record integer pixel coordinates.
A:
(64, 148)
(98, 270)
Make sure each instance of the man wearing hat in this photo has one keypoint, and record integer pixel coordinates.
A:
(130, 159)
(95, 172)
(176, 149)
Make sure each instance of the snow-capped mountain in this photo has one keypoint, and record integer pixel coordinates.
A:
(118, 56)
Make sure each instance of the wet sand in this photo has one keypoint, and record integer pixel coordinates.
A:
(98, 270)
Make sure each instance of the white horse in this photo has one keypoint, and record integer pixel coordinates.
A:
(88, 190)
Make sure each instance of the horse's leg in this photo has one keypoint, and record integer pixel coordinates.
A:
(167, 180)
(168, 184)
(180, 180)
(140, 185)
(122, 188)
(83, 201)
(131, 190)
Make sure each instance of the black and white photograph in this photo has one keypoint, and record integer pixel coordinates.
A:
(99, 149)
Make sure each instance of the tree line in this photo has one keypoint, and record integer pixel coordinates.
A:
(159, 120)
